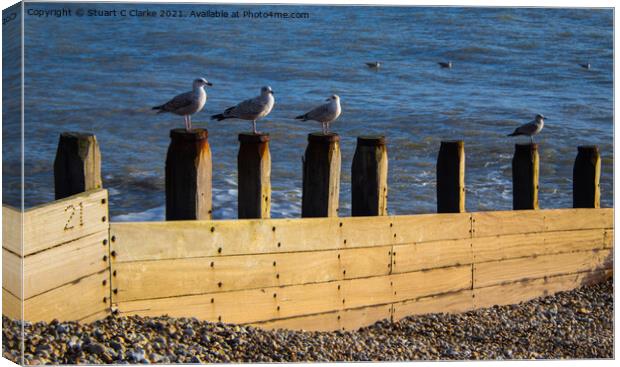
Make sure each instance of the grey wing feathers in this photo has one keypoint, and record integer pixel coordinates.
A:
(249, 107)
(319, 113)
(178, 102)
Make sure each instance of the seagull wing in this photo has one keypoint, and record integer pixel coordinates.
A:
(527, 129)
(178, 102)
(249, 108)
(321, 113)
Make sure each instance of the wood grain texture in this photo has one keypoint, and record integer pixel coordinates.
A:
(11, 306)
(419, 284)
(609, 238)
(533, 244)
(461, 301)
(369, 175)
(12, 229)
(65, 264)
(571, 219)
(522, 291)
(254, 176)
(430, 255)
(65, 220)
(321, 176)
(176, 277)
(497, 272)
(72, 301)
(12, 266)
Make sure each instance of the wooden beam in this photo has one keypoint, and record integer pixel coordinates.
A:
(254, 176)
(369, 174)
(525, 177)
(12, 229)
(587, 177)
(188, 175)
(430, 255)
(451, 177)
(455, 302)
(11, 306)
(77, 167)
(321, 176)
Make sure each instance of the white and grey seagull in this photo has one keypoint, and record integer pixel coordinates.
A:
(187, 104)
(531, 128)
(325, 113)
(251, 109)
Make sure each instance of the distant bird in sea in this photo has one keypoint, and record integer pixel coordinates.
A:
(585, 66)
(325, 113)
(531, 128)
(251, 109)
(375, 65)
(446, 65)
(187, 104)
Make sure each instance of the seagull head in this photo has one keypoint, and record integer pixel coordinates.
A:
(201, 82)
(266, 90)
(333, 98)
(540, 117)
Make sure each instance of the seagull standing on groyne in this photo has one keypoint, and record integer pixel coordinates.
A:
(251, 109)
(325, 113)
(531, 128)
(187, 104)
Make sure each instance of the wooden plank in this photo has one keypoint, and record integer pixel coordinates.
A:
(352, 319)
(522, 291)
(429, 255)
(533, 221)
(408, 286)
(94, 317)
(12, 229)
(65, 220)
(11, 306)
(430, 227)
(461, 301)
(70, 302)
(64, 264)
(178, 277)
(497, 272)
(609, 238)
(533, 244)
(12, 266)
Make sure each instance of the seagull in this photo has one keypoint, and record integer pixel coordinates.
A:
(325, 113)
(531, 128)
(585, 66)
(250, 109)
(446, 65)
(187, 104)
(374, 65)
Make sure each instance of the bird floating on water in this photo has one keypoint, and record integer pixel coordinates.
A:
(375, 65)
(445, 65)
(325, 113)
(251, 109)
(585, 66)
(531, 128)
(187, 104)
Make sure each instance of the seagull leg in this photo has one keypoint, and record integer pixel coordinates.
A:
(189, 119)
(254, 127)
(532, 139)
(185, 120)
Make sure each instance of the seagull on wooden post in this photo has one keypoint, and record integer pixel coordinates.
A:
(251, 109)
(187, 104)
(531, 128)
(325, 113)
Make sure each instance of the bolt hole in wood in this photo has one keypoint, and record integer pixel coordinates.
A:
(103, 201)
(115, 291)
(105, 242)
(114, 273)
(212, 229)
(113, 238)
(212, 264)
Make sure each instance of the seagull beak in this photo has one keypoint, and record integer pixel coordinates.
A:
(271, 92)
(209, 84)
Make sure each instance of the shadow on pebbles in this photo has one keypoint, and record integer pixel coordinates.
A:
(574, 324)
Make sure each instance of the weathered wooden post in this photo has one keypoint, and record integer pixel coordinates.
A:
(188, 175)
(77, 167)
(321, 176)
(254, 176)
(369, 173)
(586, 177)
(525, 177)
(451, 177)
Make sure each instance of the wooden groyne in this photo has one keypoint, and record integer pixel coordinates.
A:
(323, 271)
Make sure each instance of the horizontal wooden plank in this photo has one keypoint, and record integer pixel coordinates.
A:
(609, 238)
(533, 221)
(12, 266)
(177, 277)
(183, 239)
(11, 306)
(70, 302)
(409, 286)
(533, 244)
(100, 315)
(461, 301)
(65, 220)
(12, 229)
(497, 272)
(522, 291)
(352, 319)
(64, 264)
(429, 255)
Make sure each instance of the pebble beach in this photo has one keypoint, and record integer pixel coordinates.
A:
(574, 324)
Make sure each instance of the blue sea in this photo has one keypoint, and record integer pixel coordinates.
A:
(102, 74)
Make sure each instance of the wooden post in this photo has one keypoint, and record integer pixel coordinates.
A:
(77, 167)
(369, 173)
(451, 177)
(321, 176)
(254, 176)
(525, 177)
(188, 175)
(586, 178)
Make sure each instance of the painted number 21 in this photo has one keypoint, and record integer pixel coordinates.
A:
(72, 209)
